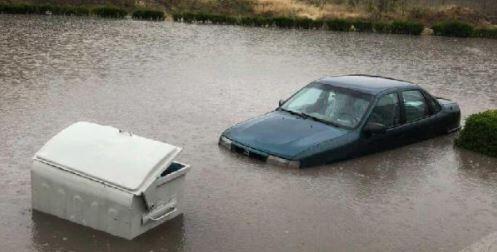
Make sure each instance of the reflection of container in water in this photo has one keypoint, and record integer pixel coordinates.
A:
(107, 179)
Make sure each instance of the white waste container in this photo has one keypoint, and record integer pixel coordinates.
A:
(107, 179)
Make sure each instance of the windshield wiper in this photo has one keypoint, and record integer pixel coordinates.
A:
(305, 116)
(320, 120)
(293, 112)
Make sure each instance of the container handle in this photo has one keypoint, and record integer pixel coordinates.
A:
(160, 213)
(167, 213)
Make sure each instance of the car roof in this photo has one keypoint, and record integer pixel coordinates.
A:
(370, 84)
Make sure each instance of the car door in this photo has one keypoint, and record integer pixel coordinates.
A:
(417, 115)
(387, 111)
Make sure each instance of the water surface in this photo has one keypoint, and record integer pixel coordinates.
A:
(184, 84)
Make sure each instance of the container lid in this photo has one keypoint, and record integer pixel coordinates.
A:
(108, 155)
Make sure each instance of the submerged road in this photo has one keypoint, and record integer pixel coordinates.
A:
(184, 84)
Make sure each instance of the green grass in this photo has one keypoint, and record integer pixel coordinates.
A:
(480, 133)
(147, 14)
(453, 29)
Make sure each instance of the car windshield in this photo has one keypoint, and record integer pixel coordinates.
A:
(336, 106)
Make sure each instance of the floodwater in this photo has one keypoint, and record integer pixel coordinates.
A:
(184, 84)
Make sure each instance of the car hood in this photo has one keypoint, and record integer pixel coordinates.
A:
(282, 134)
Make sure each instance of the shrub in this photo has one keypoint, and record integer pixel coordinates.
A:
(43, 9)
(263, 21)
(338, 24)
(177, 16)
(245, 21)
(453, 28)
(148, 14)
(18, 9)
(363, 26)
(303, 23)
(81, 11)
(215, 19)
(188, 17)
(318, 24)
(230, 20)
(201, 17)
(284, 22)
(381, 27)
(485, 33)
(109, 12)
(406, 27)
(480, 133)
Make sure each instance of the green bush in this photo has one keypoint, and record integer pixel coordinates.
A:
(18, 9)
(307, 23)
(245, 21)
(217, 19)
(382, 27)
(453, 29)
(43, 9)
(362, 26)
(188, 17)
(406, 27)
(255, 21)
(284, 22)
(110, 12)
(338, 24)
(318, 24)
(480, 133)
(263, 21)
(148, 14)
(81, 11)
(485, 33)
(177, 16)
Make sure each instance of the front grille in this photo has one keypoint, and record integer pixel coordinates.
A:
(248, 152)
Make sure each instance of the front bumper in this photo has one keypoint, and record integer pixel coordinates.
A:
(253, 153)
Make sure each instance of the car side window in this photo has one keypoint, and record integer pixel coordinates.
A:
(434, 104)
(386, 111)
(415, 105)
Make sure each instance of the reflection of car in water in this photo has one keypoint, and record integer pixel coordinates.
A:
(335, 118)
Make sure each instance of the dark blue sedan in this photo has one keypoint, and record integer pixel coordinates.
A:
(337, 118)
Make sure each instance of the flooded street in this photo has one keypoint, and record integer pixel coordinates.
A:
(184, 84)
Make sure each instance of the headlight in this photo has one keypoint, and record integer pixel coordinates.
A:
(225, 142)
(283, 162)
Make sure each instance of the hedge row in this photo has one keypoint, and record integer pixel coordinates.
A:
(485, 33)
(397, 27)
(480, 133)
(460, 29)
(448, 28)
(101, 11)
(44, 9)
(110, 12)
(148, 14)
(453, 29)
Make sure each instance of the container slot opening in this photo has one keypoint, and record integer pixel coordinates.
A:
(172, 168)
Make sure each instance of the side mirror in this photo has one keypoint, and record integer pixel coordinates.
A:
(375, 128)
(281, 102)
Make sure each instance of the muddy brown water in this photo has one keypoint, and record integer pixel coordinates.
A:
(184, 84)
